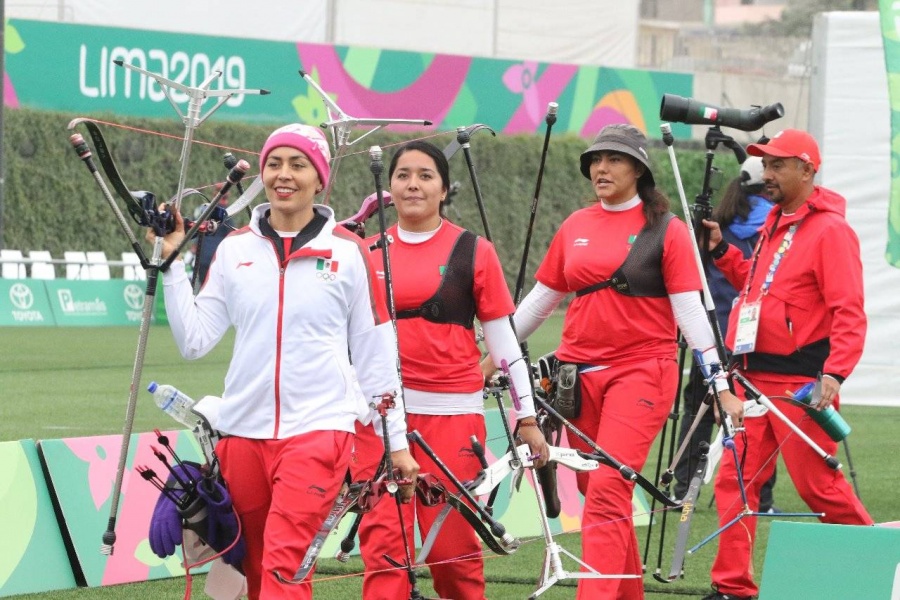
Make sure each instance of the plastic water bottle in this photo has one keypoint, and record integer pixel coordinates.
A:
(174, 403)
(829, 419)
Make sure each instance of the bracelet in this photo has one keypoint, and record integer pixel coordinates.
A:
(528, 424)
(720, 250)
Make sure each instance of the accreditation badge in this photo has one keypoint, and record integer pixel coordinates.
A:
(747, 326)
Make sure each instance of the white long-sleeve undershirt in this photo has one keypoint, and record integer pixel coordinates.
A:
(501, 343)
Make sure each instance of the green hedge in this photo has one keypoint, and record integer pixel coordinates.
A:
(52, 203)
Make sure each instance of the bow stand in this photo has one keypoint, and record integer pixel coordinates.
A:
(713, 138)
(142, 206)
(376, 166)
(701, 210)
(754, 394)
(341, 124)
(553, 570)
(193, 119)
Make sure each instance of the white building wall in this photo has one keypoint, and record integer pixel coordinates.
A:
(599, 32)
(282, 20)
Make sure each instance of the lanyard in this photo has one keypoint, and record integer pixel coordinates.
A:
(779, 255)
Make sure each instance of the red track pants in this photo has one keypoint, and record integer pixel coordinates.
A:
(623, 409)
(823, 489)
(455, 561)
(282, 491)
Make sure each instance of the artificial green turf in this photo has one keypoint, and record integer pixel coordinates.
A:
(70, 382)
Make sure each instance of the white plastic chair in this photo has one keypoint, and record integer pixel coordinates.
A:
(132, 269)
(76, 265)
(42, 270)
(98, 266)
(12, 270)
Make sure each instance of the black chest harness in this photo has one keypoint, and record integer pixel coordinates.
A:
(453, 302)
(641, 273)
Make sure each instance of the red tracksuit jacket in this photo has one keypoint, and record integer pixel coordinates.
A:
(812, 319)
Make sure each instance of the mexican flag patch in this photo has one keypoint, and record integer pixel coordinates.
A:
(324, 264)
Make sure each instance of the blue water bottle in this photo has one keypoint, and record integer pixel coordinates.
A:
(829, 419)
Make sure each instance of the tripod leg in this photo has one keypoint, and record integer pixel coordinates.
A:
(852, 470)
(673, 419)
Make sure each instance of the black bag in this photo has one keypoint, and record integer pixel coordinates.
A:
(568, 391)
(560, 383)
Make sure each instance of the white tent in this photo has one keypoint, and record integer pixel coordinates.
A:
(850, 117)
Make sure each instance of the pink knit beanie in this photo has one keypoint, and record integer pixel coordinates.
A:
(305, 138)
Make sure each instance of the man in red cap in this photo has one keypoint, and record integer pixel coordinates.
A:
(799, 317)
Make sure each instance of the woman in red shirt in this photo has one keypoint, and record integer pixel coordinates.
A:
(443, 278)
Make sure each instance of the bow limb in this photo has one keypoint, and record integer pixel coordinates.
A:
(503, 547)
(431, 492)
(603, 457)
(687, 515)
(104, 155)
(345, 502)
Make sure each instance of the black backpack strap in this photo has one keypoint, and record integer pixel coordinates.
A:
(595, 288)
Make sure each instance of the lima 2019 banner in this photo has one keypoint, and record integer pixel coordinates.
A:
(66, 67)
(890, 31)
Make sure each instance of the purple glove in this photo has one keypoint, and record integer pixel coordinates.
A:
(165, 524)
(222, 522)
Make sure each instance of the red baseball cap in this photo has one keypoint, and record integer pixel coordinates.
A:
(789, 143)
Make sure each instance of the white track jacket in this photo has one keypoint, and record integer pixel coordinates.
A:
(296, 328)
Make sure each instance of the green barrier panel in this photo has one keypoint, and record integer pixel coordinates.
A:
(34, 557)
(831, 562)
(24, 302)
(82, 472)
(82, 303)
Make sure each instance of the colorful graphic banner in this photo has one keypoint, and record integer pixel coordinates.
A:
(34, 557)
(890, 31)
(82, 473)
(67, 67)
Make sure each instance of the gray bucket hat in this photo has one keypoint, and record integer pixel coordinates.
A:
(623, 138)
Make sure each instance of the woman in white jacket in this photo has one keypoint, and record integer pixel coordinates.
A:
(302, 299)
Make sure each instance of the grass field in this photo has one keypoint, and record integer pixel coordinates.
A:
(71, 382)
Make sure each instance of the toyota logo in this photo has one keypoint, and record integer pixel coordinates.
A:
(134, 296)
(21, 297)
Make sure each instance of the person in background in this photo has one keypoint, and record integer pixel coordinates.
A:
(799, 316)
(206, 243)
(300, 295)
(631, 266)
(444, 277)
(740, 214)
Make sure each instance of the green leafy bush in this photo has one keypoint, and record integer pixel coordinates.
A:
(51, 201)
